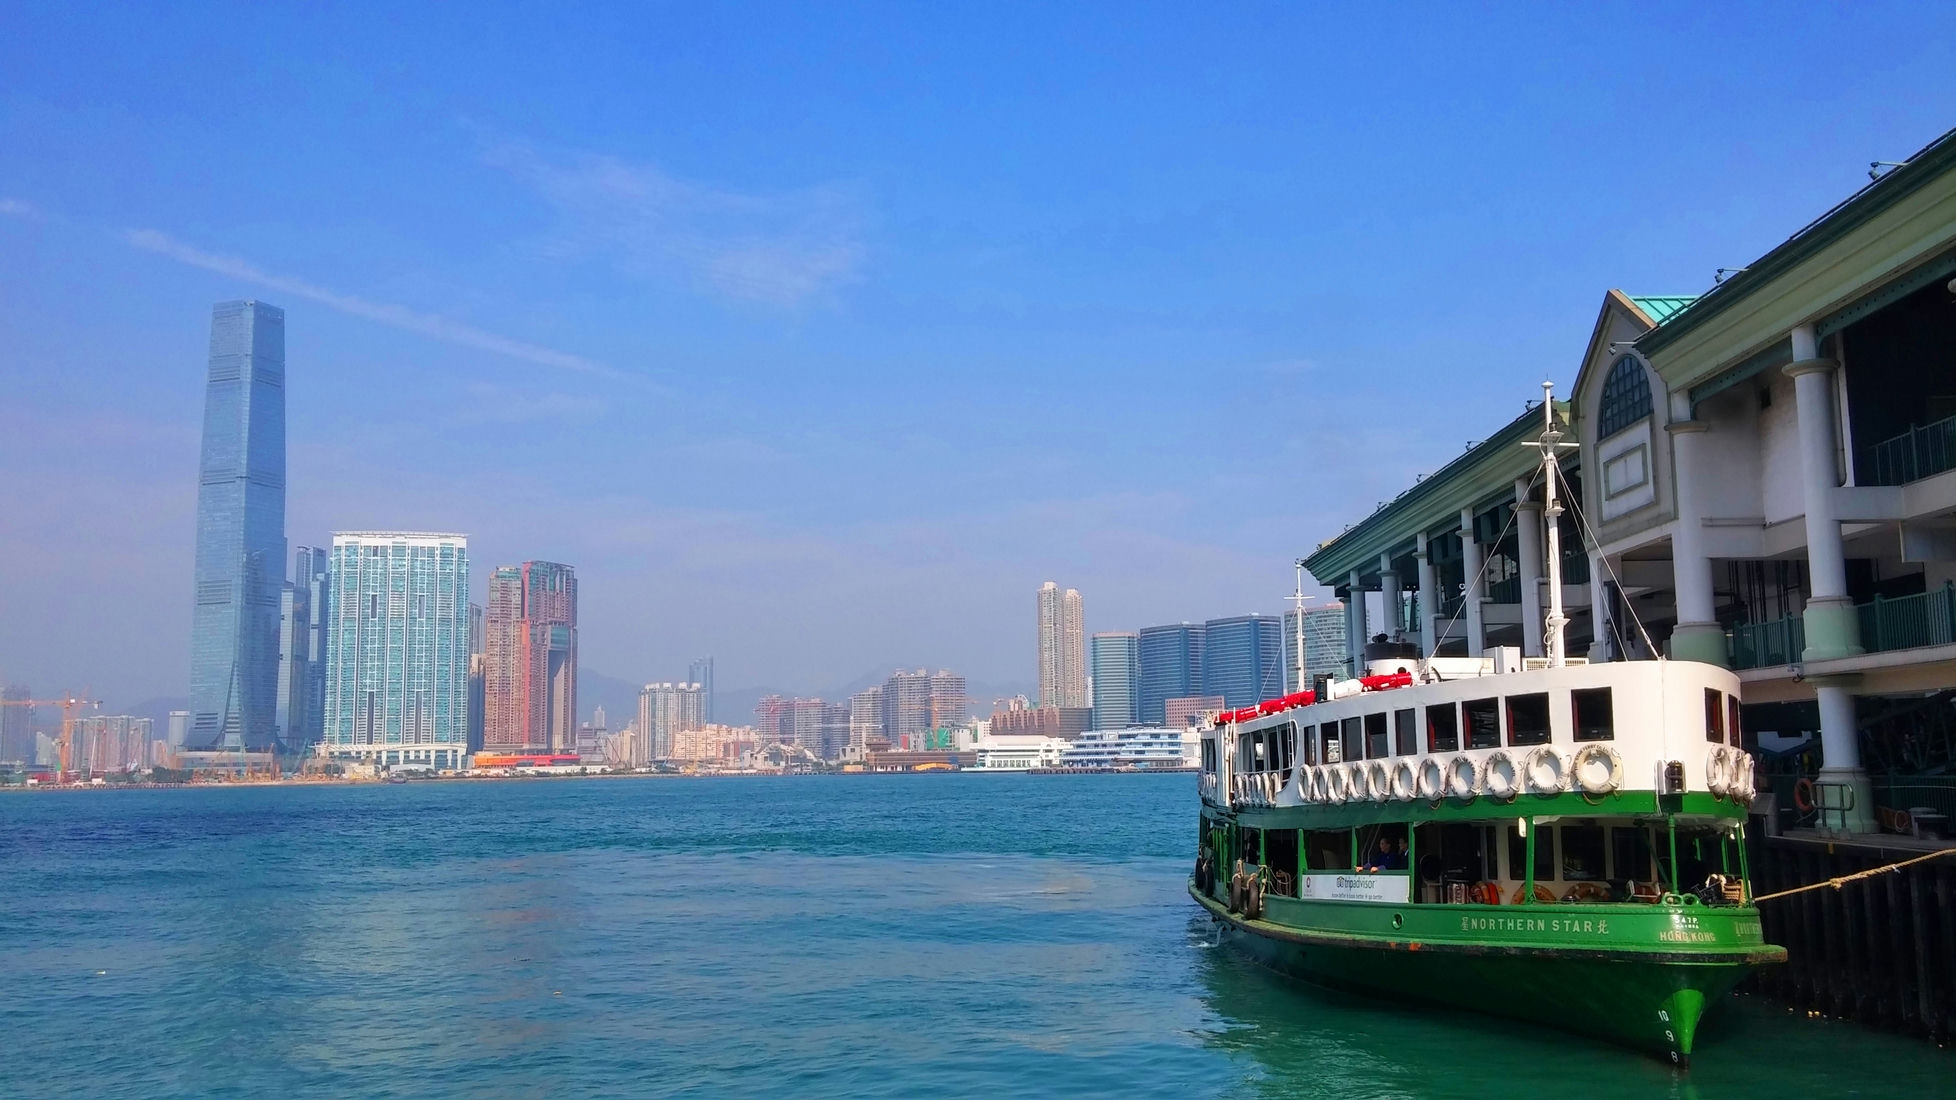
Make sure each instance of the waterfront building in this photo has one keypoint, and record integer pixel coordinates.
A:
(530, 659)
(1171, 667)
(949, 705)
(1324, 645)
(916, 702)
(664, 711)
(478, 676)
(1042, 721)
(865, 721)
(1243, 659)
(178, 726)
(16, 726)
(104, 744)
(1017, 752)
(1116, 679)
(302, 650)
(1189, 708)
(701, 672)
(1139, 748)
(397, 649)
(1062, 648)
(240, 554)
(1771, 470)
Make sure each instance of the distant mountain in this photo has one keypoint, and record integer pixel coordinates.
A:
(619, 698)
(157, 709)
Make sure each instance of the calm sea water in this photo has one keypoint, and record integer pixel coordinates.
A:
(901, 936)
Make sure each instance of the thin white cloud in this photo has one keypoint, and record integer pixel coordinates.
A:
(782, 249)
(20, 208)
(426, 324)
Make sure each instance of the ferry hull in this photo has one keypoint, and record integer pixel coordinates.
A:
(1649, 1000)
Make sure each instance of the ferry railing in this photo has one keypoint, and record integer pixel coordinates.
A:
(1911, 456)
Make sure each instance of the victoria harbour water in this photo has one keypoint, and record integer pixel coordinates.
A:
(885, 936)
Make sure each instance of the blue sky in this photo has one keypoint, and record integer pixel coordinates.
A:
(817, 337)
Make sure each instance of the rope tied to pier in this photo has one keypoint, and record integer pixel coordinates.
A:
(1842, 880)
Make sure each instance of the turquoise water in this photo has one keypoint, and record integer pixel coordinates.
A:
(882, 936)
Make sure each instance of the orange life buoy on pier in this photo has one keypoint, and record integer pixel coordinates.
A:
(1803, 795)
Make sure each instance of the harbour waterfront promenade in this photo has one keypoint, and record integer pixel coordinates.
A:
(830, 936)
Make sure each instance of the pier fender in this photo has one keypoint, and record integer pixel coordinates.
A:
(1464, 778)
(1502, 779)
(1677, 1022)
(1597, 769)
(1548, 771)
(1432, 779)
(1718, 771)
(1405, 781)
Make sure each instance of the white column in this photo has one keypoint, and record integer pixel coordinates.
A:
(1697, 636)
(1528, 542)
(1833, 628)
(1395, 615)
(1355, 624)
(1602, 646)
(1429, 597)
(1470, 565)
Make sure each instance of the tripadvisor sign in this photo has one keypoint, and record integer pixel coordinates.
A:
(1356, 886)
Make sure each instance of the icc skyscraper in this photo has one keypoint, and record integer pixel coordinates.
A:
(240, 532)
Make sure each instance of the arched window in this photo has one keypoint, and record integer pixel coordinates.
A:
(1626, 397)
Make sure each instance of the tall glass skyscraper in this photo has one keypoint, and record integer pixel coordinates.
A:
(1171, 668)
(302, 650)
(1243, 659)
(240, 565)
(701, 672)
(397, 649)
(1116, 678)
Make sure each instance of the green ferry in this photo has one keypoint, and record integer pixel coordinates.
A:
(1546, 839)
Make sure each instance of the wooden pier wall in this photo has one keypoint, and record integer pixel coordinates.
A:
(1881, 951)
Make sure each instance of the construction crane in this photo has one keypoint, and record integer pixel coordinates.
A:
(68, 707)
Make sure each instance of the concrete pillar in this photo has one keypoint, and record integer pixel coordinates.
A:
(1355, 624)
(1429, 600)
(1395, 615)
(1697, 636)
(1528, 543)
(1470, 564)
(1833, 627)
(1602, 643)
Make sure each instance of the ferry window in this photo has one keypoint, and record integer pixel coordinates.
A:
(1375, 736)
(1463, 853)
(1354, 738)
(1714, 715)
(1732, 720)
(1442, 728)
(1208, 756)
(1630, 853)
(1528, 719)
(1405, 731)
(1483, 720)
(1382, 848)
(1331, 754)
(1280, 852)
(1328, 850)
(1595, 719)
(1286, 746)
(1544, 853)
(1251, 851)
(1582, 853)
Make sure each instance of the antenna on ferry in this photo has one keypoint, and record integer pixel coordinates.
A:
(1551, 442)
(1299, 599)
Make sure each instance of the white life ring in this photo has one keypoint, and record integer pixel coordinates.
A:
(1336, 783)
(1432, 779)
(1306, 775)
(1405, 781)
(1597, 769)
(1548, 771)
(1380, 774)
(1501, 778)
(1744, 786)
(1464, 778)
(1354, 782)
(1718, 771)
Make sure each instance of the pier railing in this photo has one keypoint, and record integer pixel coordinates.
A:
(1915, 454)
(1887, 623)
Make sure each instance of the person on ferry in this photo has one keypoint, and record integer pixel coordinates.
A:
(1401, 857)
(1382, 861)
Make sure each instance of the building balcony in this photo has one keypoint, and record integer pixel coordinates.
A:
(1887, 624)
(1915, 454)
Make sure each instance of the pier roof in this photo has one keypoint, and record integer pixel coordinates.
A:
(1486, 472)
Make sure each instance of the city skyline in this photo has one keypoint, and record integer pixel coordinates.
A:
(755, 344)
